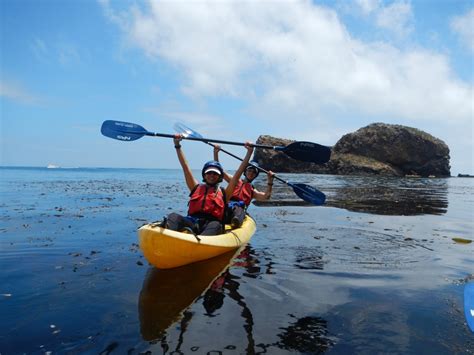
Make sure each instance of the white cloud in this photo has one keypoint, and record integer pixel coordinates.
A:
(463, 26)
(62, 51)
(396, 17)
(68, 54)
(368, 6)
(17, 93)
(39, 49)
(297, 56)
(204, 124)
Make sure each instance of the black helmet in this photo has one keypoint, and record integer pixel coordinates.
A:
(253, 165)
(213, 165)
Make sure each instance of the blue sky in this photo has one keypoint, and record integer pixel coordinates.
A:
(303, 70)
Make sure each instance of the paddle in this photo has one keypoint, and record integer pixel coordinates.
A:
(303, 151)
(305, 192)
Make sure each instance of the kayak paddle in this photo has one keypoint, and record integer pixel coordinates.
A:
(303, 151)
(305, 192)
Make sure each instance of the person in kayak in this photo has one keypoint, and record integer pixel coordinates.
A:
(244, 191)
(206, 206)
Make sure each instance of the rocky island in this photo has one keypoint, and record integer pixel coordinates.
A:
(377, 149)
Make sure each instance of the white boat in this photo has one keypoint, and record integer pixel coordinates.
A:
(52, 166)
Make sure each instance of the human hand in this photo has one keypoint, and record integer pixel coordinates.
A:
(178, 137)
(249, 146)
(217, 147)
(270, 176)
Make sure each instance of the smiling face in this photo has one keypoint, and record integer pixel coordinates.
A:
(211, 177)
(250, 174)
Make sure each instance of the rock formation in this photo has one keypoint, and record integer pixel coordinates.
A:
(377, 149)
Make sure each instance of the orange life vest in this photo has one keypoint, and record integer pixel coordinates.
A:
(207, 200)
(243, 192)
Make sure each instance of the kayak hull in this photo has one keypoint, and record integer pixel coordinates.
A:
(166, 249)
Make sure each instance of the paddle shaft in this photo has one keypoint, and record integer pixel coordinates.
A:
(238, 158)
(302, 151)
(207, 140)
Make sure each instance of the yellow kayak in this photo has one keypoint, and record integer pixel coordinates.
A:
(167, 249)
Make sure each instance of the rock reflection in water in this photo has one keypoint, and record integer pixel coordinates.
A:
(376, 195)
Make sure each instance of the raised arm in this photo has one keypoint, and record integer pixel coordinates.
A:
(227, 177)
(233, 182)
(260, 196)
(188, 175)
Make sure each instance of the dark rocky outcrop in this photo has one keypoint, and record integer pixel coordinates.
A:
(377, 149)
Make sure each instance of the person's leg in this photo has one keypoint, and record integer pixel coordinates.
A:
(175, 221)
(228, 214)
(191, 224)
(211, 228)
(238, 215)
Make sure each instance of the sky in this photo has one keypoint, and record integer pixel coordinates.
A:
(230, 70)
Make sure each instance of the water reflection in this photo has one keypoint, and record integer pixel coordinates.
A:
(307, 335)
(166, 294)
(391, 196)
(376, 195)
(309, 258)
(228, 284)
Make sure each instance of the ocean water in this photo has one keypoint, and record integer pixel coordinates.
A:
(381, 268)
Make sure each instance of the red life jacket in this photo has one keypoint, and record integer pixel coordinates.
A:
(208, 200)
(243, 192)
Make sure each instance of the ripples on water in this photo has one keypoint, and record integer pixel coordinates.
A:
(375, 270)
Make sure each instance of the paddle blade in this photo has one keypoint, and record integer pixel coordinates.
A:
(308, 193)
(307, 151)
(185, 130)
(469, 304)
(122, 131)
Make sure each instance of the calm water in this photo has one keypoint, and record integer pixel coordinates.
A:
(376, 270)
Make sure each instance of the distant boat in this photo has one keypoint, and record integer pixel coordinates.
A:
(52, 166)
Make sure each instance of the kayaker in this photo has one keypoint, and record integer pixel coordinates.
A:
(207, 200)
(244, 191)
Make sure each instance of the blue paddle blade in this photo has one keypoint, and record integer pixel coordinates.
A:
(308, 193)
(122, 131)
(185, 130)
(469, 304)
